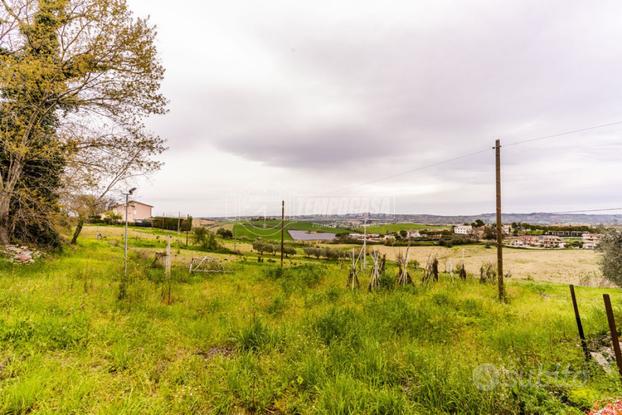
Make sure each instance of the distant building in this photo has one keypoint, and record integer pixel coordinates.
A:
(414, 234)
(591, 240)
(136, 212)
(551, 241)
(370, 237)
(516, 242)
(571, 234)
(542, 241)
(463, 229)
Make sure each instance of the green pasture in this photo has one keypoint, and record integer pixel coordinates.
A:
(257, 340)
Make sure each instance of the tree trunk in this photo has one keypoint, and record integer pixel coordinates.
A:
(5, 238)
(76, 233)
(4, 234)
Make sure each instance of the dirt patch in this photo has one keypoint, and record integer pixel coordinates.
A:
(212, 352)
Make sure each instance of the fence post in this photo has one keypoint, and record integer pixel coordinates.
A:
(167, 268)
(614, 332)
(579, 324)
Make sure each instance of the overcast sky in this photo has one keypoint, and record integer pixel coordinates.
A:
(318, 101)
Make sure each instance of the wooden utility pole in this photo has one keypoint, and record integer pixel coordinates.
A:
(282, 230)
(499, 223)
(365, 246)
(615, 341)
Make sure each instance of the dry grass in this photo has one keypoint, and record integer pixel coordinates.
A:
(574, 266)
(569, 266)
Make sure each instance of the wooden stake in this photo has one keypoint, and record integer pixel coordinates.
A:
(614, 332)
(499, 223)
(579, 324)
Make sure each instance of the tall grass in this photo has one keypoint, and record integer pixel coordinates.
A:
(261, 340)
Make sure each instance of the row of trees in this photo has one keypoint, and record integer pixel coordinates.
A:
(328, 253)
(268, 248)
(77, 80)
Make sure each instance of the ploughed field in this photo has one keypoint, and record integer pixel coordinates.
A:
(255, 340)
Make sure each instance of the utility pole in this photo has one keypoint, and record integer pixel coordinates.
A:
(188, 228)
(127, 202)
(499, 223)
(127, 197)
(365, 246)
(282, 229)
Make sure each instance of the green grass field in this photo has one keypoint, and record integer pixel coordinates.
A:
(258, 341)
(396, 227)
(271, 229)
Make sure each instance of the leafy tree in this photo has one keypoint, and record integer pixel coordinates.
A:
(478, 223)
(404, 233)
(63, 64)
(199, 235)
(287, 250)
(205, 239)
(611, 263)
(224, 233)
(112, 217)
(490, 232)
(100, 163)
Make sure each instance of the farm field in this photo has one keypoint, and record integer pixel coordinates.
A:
(271, 229)
(565, 266)
(258, 341)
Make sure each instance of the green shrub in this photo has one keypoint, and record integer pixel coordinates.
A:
(254, 336)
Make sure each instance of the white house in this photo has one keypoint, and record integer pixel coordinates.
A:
(590, 240)
(414, 234)
(463, 229)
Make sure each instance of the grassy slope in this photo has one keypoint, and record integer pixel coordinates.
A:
(252, 341)
(272, 230)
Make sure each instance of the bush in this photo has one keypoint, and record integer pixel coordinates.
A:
(205, 239)
(172, 224)
(224, 233)
(261, 247)
(328, 253)
(611, 262)
(254, 336)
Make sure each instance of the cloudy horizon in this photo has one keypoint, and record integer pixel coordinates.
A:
(328, 104)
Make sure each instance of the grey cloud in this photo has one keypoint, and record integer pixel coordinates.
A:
(488, 72)
(354, 93)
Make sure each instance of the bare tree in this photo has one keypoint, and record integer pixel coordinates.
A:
(100, 163)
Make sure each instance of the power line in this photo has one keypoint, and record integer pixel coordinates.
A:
(586, 210)
(402, 173)
(569, 132)
(513, 143)
(471, 154)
